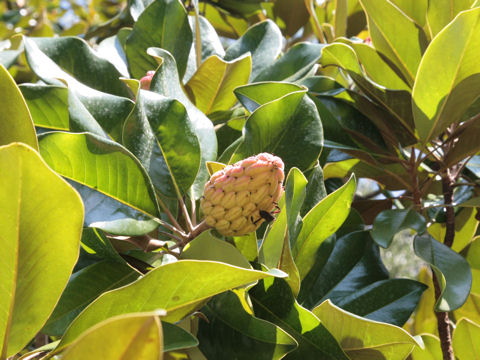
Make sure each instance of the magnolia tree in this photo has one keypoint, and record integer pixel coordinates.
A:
(178, 180)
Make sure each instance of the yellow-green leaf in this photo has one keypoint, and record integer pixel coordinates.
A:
(465, 340)
(16, 123)
(211, 87)
(361, 338)
(40, 231)
(132, 336)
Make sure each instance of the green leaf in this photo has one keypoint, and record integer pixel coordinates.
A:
(294, 65)
(207, 247)
(101, 165)
(465, 228)
(396, 36)
(175, 337)
(163, 24)
(390, 301)
(42, 219)
(340, 18)
(281, 127)
(441, 12)
(273, 301)
(230, 327)
(362, 338)
(263, 41)
(161, 135)
(15, 119)
(247, 245)
(76, 58)
(416, 10)
(439, 101)
(167, 83)
(395, 102)
(125, 336)
(272, 245)
(90, 109)
(48, 105)
(83, 287)
(465, 340)
(295, 192)
(315, 189)
(95, 242)
(341, 269)
(452, 270)
(390, 222)
(430, 349)
(181, 293)
(320, 223)
(467, 144)
(211, 44)
(211, 87)
(254, 95)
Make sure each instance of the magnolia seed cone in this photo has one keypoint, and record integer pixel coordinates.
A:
(233, 197)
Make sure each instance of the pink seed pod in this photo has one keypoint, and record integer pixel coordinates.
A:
(239, 198)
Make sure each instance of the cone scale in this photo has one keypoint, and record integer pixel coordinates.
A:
(235, 197)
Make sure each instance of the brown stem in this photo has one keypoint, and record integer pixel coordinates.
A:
(443, 322)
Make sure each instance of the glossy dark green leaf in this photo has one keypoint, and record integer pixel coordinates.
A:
(90, 109)
(95, 242)
(347, 127)
(320, 223)
(441, 12)
(75, 57)
(112, 49)
(211, 44)
(101, 165)
(175, 338)
(389, 222)
(294, 65)
(467, 144)
(439, 101)
(48, 105)
(342, 268)
(396, 36)
(163, 24)
(254, 95)
(391, 301)
(167, 83)
(85, 286)
(111, 215)
(161, 135)
(230, 328)
(40, 231)
(9, 57)
(15, 119)
(281, 126)
(181, 294)
(452, 270)
(397, 103)
(273, 301)
(315, 189)
(263, 41)
(362, 338)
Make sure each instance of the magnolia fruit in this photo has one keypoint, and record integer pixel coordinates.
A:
(240, 197)
(146, 80)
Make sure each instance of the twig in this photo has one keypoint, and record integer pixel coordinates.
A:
(176, 226)
(186, 215)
